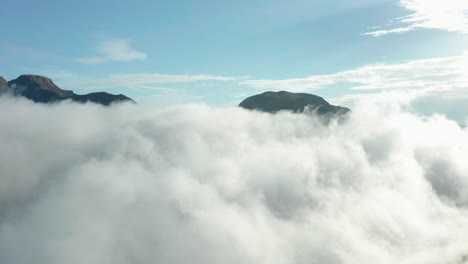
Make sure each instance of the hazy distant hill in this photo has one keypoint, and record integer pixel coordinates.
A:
(43, 90)
(3, 85)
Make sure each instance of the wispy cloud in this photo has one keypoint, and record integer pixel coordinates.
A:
(448, 15)
(113, 49)
(141, 79)
(382, 32)
(167, 96)
(437, 74)
(70, 80)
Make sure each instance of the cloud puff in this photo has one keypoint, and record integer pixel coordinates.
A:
(448, 15)
(112, 49)
(133, 184)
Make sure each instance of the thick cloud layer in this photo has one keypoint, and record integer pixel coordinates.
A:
(193, 184)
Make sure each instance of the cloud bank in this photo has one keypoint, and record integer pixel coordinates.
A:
(448, 15)
(194, 184)
(112, 49)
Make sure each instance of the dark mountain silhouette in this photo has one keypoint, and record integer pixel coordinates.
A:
(101, 98)
(41, 89)
(273, 102)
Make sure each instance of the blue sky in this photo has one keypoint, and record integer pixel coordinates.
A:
(218, 52)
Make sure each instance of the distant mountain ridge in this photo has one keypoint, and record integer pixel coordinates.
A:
(41, 89)
(273, 102)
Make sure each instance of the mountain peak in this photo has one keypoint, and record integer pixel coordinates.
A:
(33, 78)
(273, 102)
(29, 83)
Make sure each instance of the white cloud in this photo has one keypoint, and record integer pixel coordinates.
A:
(448, 15)
(195, 184)
(448, 74)
(112, 49)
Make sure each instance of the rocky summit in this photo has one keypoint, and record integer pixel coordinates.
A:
(43, 90)
(273, 102)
